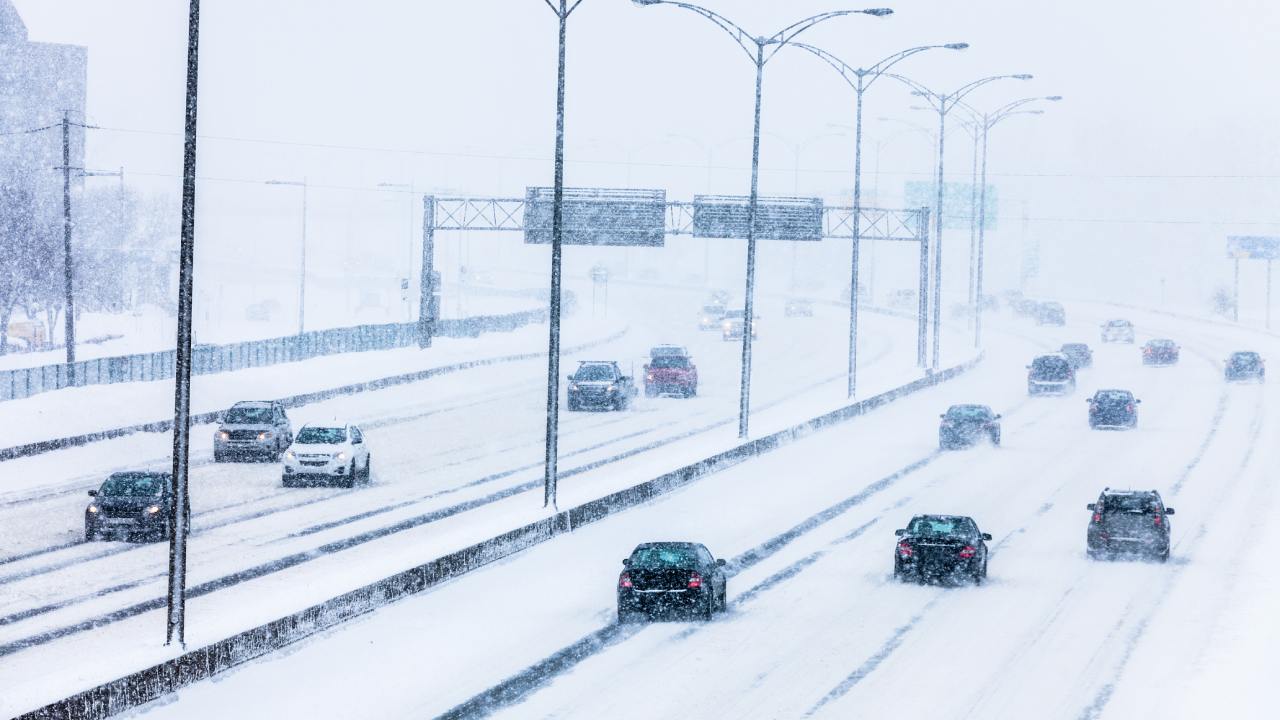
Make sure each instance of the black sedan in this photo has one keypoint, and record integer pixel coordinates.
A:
(671, 577)
(130, 504)
(1113, 409)
(965, 425)
(1078, 354)
(1160, 352)
(1245, 365)
(940, 547)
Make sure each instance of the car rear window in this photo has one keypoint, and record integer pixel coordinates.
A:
(1135, 504)
(669, 362)
(1113, 396)
(661, 556)
(968, 412)
(1055, 365)
(941, 527)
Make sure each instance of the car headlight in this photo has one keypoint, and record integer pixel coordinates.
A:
(610, 387)
(340, 456)
(224, 435)
(264, 436)
(93, 509)
(153, 509)
(288, 455)
(573, 386)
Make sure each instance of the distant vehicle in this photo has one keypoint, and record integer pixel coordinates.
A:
(253, 428)
(670, 375)
(731, 328)
(903, 300)
(719, 297)
(334, 452)
(664, 577)
(658, 351)
(1118, 330)
(940, 547)
(1079, 354)
(1026, 306)
(988, 303)
(133, 503)
(797, 307)
(1049, 312)
(1051, 374)
(965, 425)
(1128, 522)
(1245, 365)
(600, 384)
(1160, 352)
(711, 316)
(1116, 409)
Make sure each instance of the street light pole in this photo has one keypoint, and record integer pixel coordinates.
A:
(943, 103)
(755, 48)
(986, 122)
(860, 79)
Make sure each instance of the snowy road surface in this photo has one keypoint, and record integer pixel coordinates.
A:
(456, 460)
(816, 625)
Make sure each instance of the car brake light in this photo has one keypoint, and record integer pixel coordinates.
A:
(625, 581)
(695, 581)
(904, 549)
(1129, 407)
(1157, 519)
(968, 551)
(1097, 517)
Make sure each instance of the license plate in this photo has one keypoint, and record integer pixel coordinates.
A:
(119, 521)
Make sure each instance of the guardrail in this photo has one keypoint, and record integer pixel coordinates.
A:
(154, 682)
(22, 383)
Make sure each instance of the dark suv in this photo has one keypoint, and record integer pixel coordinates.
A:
(965, 425)
(253, 429)
(1079, 354)
(1050, 313)
(940, 547)
(1245, 365)
(671, 577)
(1116, 409)
(1160, 352)
(130, 503)
(1051, 374)
(1129, 522)
(600, 384)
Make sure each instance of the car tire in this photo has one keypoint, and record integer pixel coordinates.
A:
(627, 617)
(1164, 556)
(90, 535)
(286, 481)
(650, 392)
(709, 607)
(219, 457)
(348, 480)
(574, 407)
(995, 439)
(368, 469)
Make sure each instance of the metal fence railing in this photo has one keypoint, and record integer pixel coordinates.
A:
(22, 383)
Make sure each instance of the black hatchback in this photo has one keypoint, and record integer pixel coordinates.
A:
(940, 547)
(131, 504)
(965, 425)
(1245, 365)
(1116, 409)
(671, 577)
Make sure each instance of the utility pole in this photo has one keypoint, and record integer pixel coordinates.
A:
(67, 267)
(179, 511)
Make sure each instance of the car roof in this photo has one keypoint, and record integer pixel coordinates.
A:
(1119, 321)
(255, 403)
(1107, 391)
(1075, 346)
(682, 544)
(1108, 492)
(944, 518)
(1244, 352)
(140, 473)
(597, 362)
(966, 406)
(335, 423)
(1161, 341)
(1054, 356)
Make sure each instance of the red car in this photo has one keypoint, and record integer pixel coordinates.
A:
(670, 375)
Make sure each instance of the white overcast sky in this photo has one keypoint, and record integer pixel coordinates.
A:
(1170, 130)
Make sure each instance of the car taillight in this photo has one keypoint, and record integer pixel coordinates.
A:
(624, 581)
(651, 376)
(968, 551)
(695, 581)
(904, 549)
(1129, 407)
(1097, 517)
(1157, 519)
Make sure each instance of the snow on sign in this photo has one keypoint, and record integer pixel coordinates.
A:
(1253, 247)
(777, 218)
(597, 216)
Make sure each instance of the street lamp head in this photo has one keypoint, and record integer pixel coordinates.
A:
(878, 12)
(647, 2)
(1054, 98)
(1023, 77)
(956, 46)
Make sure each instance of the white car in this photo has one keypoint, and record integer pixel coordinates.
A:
(1117, 331)
(333, 451)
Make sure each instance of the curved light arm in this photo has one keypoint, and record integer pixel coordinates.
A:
(744, 40)
(959, 95)
(789, 33)
(847, 71)
(568, 12)
(875, 71)
(932, 97)
(1013, 106)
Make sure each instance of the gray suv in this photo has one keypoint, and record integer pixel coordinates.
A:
(253, 429)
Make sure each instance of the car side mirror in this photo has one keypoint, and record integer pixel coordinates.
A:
(355, 441)
(1092, 507)
(942, 415)
(1168, 511)
(998, 416)
(986, 536)
(569, 378)
(900, 532)
(721, 562)
(626, 562)
(93, 493)
(1139, 402)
